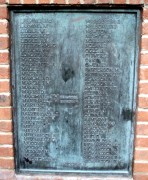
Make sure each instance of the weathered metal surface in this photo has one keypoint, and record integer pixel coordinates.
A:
(74, 97)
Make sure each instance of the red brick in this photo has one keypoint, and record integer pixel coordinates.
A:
(4, 58)
(145, 28)
(75, 1)
(4, 42)
(6, 151)
(5, 100)
(3, 13)
(143, 88)
(4, 28)
(6, 163)
(143, 73)
(6, 139)
(57, 1)
(6, 126)
(14, 2)
(104, 1)
(141, 177)
(47, 1)
(142, 142)
(4, 86)
(6, 174)
(142, 129)
(144, 43)
(141, 155)
(145, 13)
(135, 2)
(144, 59)
(145, 1)
(29, 1)
(2, 1)
(143, 102)
(5, 113)
(89, 1)
(4, 73)
(120, 1)
(140, 167)
(142, 116)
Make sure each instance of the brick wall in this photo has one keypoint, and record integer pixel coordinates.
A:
(6, 142)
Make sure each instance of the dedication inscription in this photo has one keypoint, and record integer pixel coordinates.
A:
(74, 78)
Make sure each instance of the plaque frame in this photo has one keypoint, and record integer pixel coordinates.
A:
(76, 8)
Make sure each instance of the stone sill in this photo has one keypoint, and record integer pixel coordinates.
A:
(6, 174)
(48, 177)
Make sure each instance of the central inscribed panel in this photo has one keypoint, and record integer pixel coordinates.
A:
(74, 85)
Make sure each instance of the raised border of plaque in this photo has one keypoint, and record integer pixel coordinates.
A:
(16, 117)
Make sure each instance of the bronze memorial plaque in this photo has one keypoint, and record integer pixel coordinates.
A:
(74, 96)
